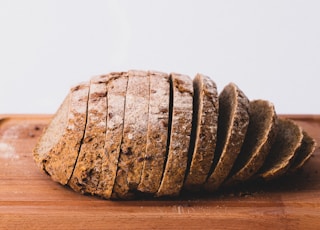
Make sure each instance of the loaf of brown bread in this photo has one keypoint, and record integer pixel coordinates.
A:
(146, 133)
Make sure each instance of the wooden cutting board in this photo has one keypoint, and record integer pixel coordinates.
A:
(29, 199)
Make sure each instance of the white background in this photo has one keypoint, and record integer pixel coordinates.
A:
(270, 49)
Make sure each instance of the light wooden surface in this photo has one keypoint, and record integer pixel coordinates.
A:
(30, 200)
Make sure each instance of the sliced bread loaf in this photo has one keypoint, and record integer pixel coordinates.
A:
(179, 135)
(288, 140)
(258, 141)
(204, 131)
(86, 174)
(58, 147)
(157, 135)
(232, 127)
(134, 140)
(143, 133)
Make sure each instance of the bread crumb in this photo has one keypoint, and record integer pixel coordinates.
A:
(7, 151)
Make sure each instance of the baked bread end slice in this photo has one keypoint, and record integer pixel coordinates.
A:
(58, 147)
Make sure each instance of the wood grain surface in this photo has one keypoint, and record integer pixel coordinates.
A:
(29, 199)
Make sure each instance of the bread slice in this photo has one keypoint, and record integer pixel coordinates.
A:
(116, 91)
(157, 135)
(134, 140)
(86, 174)
(282, 152)
(179, 135)
(57, 149)
(204, 131)
(232, 127)
(304, 152)
(258, 141)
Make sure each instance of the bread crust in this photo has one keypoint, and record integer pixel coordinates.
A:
(181, 122)
(204, 134)
(157, 135)
(86, 174)
(304, 152)
(260, 137)
(116, 92)
(134, 140)
(282, 153)
(58, 147)
(232, 127)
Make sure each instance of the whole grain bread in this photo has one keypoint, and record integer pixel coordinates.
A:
(179, 135)
(134, 140)
(204, 131)
(258, 141)
(58, 147)
(288, 140)
(141, 132)
(232, 127)
(157, 135)
(86, 174)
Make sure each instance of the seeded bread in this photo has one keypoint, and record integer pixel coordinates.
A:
(179, 135)
(134, 140)
(204, 133)
(288, 140)
(86, 174)
(232, 127)
(304, 152)
(57, 149)
(258, 141)
(157, 132)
